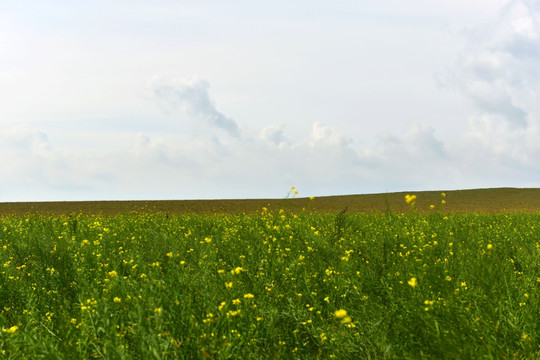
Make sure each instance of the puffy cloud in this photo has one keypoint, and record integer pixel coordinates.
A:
(190, 97)
(329, 136)
(499, 70)
(275, 134)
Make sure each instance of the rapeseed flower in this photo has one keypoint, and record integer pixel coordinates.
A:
(410, 199)
(412, 282)
(11, 330)
(237, 270)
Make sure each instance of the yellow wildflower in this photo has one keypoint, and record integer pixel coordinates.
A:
(410, 199)
(11, 330)
(237, 270)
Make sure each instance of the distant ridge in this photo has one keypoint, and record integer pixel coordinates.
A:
(474, 200)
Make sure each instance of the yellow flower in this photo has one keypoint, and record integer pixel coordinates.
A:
(11, 330)
(112, 274)
(233, 313)
(249, 296)
(410, 199)
(412, 282)
(237, 270)
(489, 246)
(208, 240)
(170, 254)
(158, 310)
(117, 300)
(340, 313)
(236, 301)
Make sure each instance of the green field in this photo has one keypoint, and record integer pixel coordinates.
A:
(287, 280)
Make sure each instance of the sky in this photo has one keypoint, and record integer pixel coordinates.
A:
(181, 99)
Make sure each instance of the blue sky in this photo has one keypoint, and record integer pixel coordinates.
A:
(240, 99)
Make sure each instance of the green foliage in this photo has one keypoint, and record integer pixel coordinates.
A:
(268, 285)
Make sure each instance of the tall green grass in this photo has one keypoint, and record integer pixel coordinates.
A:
(271, 285)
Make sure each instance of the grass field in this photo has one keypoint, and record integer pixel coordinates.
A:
(401, 281)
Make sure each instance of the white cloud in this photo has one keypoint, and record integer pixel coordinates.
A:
(191, 99)
(499, 70)
(275, 134)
